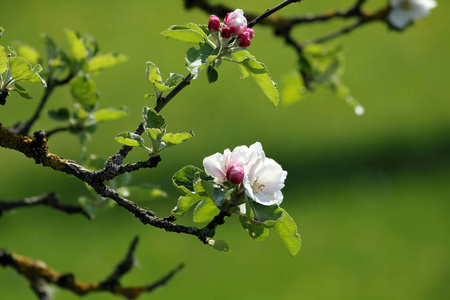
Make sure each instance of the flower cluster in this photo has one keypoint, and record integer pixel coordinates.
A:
(234, 25)
(261, 177)
(402, 12)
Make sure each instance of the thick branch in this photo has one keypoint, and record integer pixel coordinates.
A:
(49, 199)
(39, 275)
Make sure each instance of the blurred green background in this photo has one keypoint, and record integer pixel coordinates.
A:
(370, 194)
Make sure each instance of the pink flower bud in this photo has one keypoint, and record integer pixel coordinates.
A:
(214, 23)
(235, 174)
(245, 37)
(226, 33)
(236, 22)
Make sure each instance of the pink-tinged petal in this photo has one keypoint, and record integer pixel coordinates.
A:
(213, 23)
(214, 166)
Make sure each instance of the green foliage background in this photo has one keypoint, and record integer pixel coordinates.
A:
(370, 194)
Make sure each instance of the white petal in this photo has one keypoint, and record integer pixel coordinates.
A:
(268, 199)
(214, 166)
(270, 178)
(399, 18)
(243, 209)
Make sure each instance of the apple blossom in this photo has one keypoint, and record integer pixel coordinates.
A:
(402, 12)
(245, 37)
(261, 177)
(225, 32)
(214, 23)
(236, 22)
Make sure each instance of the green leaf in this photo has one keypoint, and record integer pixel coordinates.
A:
(77, 47)
(152, 119)
(183, 33)
(205, 211)
(187, 178)
(265, 215)
(109, 114)
(153, 74)
(257, 232)
(50, 46)
(173, 80)
(172, 139)
(215, 192)
(293, 88)
(199, 30)
(103, 61)
(129, 139)
(3, 60)
(212, 74)
(84, 91)
(258, 71)
(2, 30)
(28, 53)
(197, 59)
(21, 91)
(61, 114)
(219, 245)
(22, 70)
(287, 229)
(185, 202)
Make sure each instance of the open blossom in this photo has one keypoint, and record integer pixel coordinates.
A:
(404, 11)
(261, 177)
(236, 22)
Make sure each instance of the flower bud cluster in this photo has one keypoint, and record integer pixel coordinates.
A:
(234, 26)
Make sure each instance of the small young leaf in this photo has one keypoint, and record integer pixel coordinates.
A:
(129, 139)
(61, 114)
(103, 61)
(21, 91)
(287, 229)
(3, 60)
(84, 91)
(152, 119)
(28, 53)
(293, 88)
(186, 179)
(2, 30)
(185, 202)
(50, 46)
(173, 80)
(183, 33)
(109, 114)
(77, 47)
(212, 74)
(205, 211)
(196, 59)
(219, 245)
(172, 139)
(22, 70)
(153, 74)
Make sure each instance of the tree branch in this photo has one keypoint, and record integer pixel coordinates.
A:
(49, 199)
(271, 11)
(40, 275)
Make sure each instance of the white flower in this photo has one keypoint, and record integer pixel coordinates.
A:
(264, 178)
(261, 177)
(404, 11)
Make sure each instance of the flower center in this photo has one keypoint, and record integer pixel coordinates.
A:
(257, 187)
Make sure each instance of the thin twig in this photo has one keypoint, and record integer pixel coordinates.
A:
(271, 11)
(40, 275)
(49, 199)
